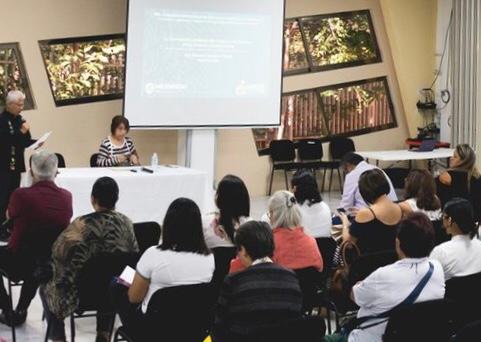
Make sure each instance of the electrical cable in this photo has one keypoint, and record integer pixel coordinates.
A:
(446, 37)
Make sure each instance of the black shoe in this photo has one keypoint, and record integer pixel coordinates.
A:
(6, 318)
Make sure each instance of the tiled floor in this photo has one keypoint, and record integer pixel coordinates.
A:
(34, 329)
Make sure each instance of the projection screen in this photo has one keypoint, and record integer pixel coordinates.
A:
(204, 63)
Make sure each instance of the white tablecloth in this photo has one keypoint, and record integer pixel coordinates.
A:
(143, 196)
(405, 155)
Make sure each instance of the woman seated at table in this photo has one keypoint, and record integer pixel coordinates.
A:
(420, 195)
(374, 227)
(462, 179)
(181, 259)
(294, 248)
(118, 149)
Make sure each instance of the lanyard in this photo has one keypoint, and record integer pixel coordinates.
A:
(12, 148)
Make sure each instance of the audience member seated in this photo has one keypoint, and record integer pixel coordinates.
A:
(420, 195)
(462, 179)
(294, 248)
(118, 149)
(39, 214)
(462, 255)
(182, 259)
(374, 227)
(104, 231)
(316, 217)
(354, 166)
(390, 285)
(233, 201)
(265, 293)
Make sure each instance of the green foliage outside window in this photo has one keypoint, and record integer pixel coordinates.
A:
(84, 70)
(12, 74)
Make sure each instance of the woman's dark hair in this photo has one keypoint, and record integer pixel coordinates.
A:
(257, 239)
(416, 235)
(351, 158)
(306, 187)
(232, 199)
(461, 212)
(117, 121)
(105, 191)
(372, 185)
(420, 185)
(182, 228)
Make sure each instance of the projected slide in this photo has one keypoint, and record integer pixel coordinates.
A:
(204, 63)
(205, 54)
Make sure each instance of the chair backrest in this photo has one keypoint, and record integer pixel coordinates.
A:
(96, 276)
(309, 149)
(424, 321)
(469, 333)
(310, 282)
(365, 264)
(339, 146)
(93, 160)
(181, 313)
(466, 291)
(223, 257)
(147, 235)
(397, 175)
(61, 160)
(327, 246)
(304, 329)
(282, 151)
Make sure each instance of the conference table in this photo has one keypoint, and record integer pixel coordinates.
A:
(406, 155)
(143, 196)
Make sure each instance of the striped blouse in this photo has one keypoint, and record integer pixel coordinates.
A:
(108, 152)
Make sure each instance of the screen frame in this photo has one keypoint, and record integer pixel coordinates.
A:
(82, 39)
(207, 125)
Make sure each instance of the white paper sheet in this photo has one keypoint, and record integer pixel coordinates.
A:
(42, 139)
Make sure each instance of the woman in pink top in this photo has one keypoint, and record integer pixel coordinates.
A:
(294, 249)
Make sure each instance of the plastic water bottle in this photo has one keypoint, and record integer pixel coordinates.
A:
(154, 161)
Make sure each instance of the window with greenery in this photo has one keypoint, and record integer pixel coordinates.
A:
(13, 75)
(329, 41)
(85, 69)
(346, 109)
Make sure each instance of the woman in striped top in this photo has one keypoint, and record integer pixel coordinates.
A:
(118, 149)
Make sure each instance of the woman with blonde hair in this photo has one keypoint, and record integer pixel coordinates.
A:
(294, 249)
(462, 179)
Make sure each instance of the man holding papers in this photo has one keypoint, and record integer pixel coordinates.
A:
(14, 138)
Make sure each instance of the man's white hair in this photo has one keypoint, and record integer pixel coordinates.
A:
(44, 166)
(14, 96)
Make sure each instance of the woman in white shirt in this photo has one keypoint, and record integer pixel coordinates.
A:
(462, 255)
(390, 285)
(233, 201)
(316, 217)
(181, 259)
(420, 195)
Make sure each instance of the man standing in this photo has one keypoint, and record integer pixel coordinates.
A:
(354, 165)
(14, 138)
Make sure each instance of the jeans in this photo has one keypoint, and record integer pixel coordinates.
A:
(131, 315)
(17, 267)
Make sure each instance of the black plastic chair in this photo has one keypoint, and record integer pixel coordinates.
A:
(94, 284)
(283, 155)
(61, 160)
(180, 313)
(327, 246)
(397, 175)
(338, 147)
(421, 322)
(465, 291)
(93, 160)
(223, 257)
(470, 333)
(310, 281)
(304, 329)
(147, 235)
(366, 264)
(310, 154)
